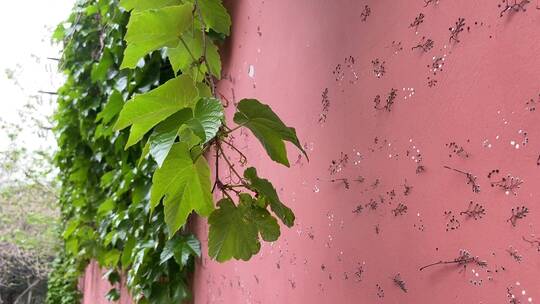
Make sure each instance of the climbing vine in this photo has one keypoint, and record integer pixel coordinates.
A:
(127, 196)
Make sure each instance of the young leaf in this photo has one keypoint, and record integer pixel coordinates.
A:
(141, 5)
(213, 59)
(234, 230)
(215, 16)
(112, 108)
(181, 248)
(209, 113)
(268, 128)
(182, 58)
(145, 111)
(183, 185)
(162, 138)
(151, 30)
(266, 191)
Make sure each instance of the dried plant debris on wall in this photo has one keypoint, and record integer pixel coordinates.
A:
(425, 44)
(401, 209)
(474, 211)
(429, 2)
(531, 104)
(399, 282)
(514, 254)
(456, 149)
(509, 184)
(380, 291)
(325, 102)
(456, 30)
(379, 68)
(518, 213)
(417, 22)
(533, 241)
(337, 165)
(462, 260)
(453, 223)
(471, 179)
(365, 13)
(389, 101)
(516, 6)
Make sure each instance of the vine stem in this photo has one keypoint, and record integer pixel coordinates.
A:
(230, 165)
(448, 262)
(210, 79)
(236, 149)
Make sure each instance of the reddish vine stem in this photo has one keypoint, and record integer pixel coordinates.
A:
(243, 157)
(231, 166)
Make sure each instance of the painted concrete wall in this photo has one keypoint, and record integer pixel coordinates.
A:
(376, 200)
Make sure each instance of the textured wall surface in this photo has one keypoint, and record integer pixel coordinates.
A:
(376, 203)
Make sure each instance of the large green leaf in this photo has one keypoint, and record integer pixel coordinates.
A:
(234, 230)
(215, 16)
(151, 30)
(183, 185)
(162, 138)
(266, 191)
(209, 113)
(141, 5)
(145, 111)
(268, 128)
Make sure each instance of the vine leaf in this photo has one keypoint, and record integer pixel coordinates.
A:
(182, 58)
(100, 70)
(181, 248)
(268, 128)
(183, 185)
(162, 138)
(234, 230)
(215, 16)
(111, 109)
(141, 5)
(209, 113)
(150, 30)
(267, 192)
(146, 110)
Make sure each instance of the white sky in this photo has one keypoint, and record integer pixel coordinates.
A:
(25, 29)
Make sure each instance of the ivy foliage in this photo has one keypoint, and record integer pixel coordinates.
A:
(136, 121)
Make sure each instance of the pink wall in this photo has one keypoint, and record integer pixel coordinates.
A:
(94, 287)
(335, 255)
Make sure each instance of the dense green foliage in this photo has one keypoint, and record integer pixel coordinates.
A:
(127, 195)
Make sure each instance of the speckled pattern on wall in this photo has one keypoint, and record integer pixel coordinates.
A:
(419, 118)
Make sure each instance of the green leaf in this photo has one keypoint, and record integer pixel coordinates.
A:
(215, 16)
(151, 30)
(209, 113)
(127, 252)
(163, 137)
(112, 108)
(266, 224)
(232, 234)
(106, 206)
(181, 248)
(268, 128)
(266, 190)
(182, 58)
(234, 230)
(111, 257)
(183, 185)
(146, 110)
(213, 59)
(141, 5)
(100, 70)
